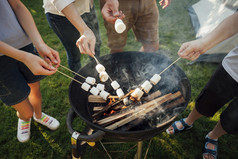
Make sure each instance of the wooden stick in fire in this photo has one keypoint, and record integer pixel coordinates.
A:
(143, 108)
(110, 105)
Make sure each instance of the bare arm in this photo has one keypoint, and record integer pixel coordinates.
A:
(37, 65)
(193, 49)
(86, 42)
(25, 19)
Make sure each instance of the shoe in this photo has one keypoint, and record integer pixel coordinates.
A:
(48, 121)
(212, 152)
(176, 129)
(23, 130)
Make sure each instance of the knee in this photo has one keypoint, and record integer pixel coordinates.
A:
(150, 47)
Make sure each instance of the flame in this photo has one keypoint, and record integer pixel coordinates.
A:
(112, 112)
(124, 107)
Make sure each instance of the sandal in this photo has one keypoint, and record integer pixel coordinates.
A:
(212, 152)
(176, 129)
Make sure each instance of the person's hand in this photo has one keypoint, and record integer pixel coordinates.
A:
(86, 43)
(48, 54)
(164, 3)
(38, 66)
(191, 50)
(110, 11)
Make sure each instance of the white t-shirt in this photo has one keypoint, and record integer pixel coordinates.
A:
(230, 63)
(56, 6)
(11, 31)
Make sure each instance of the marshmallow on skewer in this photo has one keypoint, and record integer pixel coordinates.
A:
(120, 93)
(94, 91)
(100, 86)
(103, 76)
(85, 86)
(100, 68)
(104, 94)
(146, 86)
(155, 79)
(137, 94)
(115, 85)
(90, 80)
(120, 27)
(126, 101)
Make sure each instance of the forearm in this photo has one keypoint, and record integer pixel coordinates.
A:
(12, 52)
(226, 29)
(74, 17)
(25, 19)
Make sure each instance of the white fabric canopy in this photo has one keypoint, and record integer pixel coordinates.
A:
(208, 14)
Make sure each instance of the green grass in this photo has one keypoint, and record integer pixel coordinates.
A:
(175, 28)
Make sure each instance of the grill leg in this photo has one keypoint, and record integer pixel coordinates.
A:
(139, 150)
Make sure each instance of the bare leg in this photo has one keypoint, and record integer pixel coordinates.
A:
(192, 117)
(149, 47)
(116, 50)
(217, 132)
(24, 110)
(35, 98)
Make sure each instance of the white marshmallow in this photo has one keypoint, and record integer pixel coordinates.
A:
(138, 93)
(120, 93)
(104, 94)
(85, 86)
(100, 86)
(146, 86)
(100, 68)
(155, 79)
(103, 76)
(94, 91)
(115, 85)
(90, 80)
(126, 101)
(120, 27)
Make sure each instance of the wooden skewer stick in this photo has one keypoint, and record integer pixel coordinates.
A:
(73, 72)
(69, 77)
(170, 65)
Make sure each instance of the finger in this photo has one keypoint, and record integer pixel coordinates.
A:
(195, 56)
(79, 44)
(92, 48)
(47, 60)
(57, 58)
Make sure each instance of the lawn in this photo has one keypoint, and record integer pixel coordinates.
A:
(175, 28)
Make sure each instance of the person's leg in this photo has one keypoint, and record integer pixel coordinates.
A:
(217, 132)
(24, 110)
(192, 117)
(146, 28)
(35, 98)
(117, 42)
(68, 35)
(149, 47)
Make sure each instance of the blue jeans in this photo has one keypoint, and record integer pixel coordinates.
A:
(68, 35)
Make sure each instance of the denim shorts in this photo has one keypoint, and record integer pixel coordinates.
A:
(14, 78)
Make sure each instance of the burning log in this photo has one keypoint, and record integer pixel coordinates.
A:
(97, 108)
(152, 96)
(140, 110)
(110, 105)
(95, 99)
